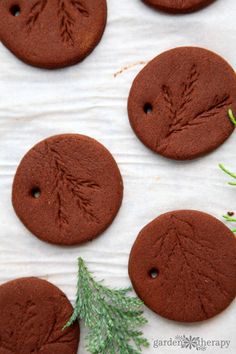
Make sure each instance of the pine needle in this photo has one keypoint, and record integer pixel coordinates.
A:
(111, 316)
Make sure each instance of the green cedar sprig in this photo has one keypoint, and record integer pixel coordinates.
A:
(111, 316)
(231, 174)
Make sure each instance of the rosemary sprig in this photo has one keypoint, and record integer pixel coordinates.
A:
(231, 174)
(228, 217)
(111, 316)
(231, 116)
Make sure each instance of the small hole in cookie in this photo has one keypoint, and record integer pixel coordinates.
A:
(154, 272)
(36, 192)
(148, 108)
(15, 10)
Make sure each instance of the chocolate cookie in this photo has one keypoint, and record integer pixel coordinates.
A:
(178, 6)
(178, 104)
(52, 33)
(183, 266)
(67, 189)
(33, 313)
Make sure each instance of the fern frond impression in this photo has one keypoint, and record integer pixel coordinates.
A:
(111, 316)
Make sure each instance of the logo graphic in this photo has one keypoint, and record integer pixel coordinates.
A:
(192, 343)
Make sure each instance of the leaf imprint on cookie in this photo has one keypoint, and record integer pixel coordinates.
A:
(64, 14)
(180, 3)
(177, 117)
(67, 21)
(35, 12)
(196, 261)
(79, 189)
(24, 317)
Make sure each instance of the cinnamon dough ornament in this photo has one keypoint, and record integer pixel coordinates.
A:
(67, 189)
(178, 6)
(178, 104)
(52, 33)
(33, 313)
(183, 266)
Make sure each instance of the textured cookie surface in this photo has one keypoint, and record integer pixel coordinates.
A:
(52, 33)
(183, 266)
(33, 313)
(67, 189)
(178, 6)
(178, 104)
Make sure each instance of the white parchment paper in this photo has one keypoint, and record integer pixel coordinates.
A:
(90, 100)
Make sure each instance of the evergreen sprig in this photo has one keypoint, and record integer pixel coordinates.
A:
(231, 174)
(111, 316)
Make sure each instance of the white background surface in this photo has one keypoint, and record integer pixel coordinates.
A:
(88, 99)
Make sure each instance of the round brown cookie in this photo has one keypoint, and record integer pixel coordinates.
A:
(178, 103)
(52, 33)
(67, 189)
(183, 266)
(33, 313)
(178, 6)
